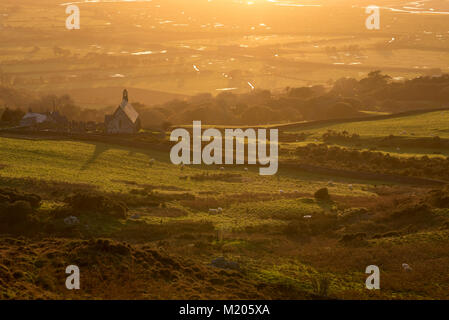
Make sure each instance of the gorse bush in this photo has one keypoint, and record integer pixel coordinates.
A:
(322, 194)
(97, 203)
(373, 161)
(15, 212)
(16, 207)
(12, 195)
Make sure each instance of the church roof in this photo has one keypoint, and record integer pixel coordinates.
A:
(129, 110)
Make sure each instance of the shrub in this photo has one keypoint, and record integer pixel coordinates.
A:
(12, 195)
(16, 212)
(348, 238)
(439, 198)
(321, 286)
(297, 229)
(322, 194)
(97, 203)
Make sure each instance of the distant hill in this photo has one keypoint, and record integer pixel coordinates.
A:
(107, 96)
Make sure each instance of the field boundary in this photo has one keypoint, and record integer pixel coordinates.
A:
(126, 142)
(362, 175)
(306, 125)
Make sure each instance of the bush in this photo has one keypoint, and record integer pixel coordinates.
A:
(439, 198)
(16, 212)
(297, 229)
(12, 195)
(322, 194)
(97, 203)
(354, 237)
(321, 286)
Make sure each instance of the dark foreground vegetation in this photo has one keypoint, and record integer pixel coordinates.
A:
(122, 257)
(357, 160)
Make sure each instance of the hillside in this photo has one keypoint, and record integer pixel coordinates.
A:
(161, 212)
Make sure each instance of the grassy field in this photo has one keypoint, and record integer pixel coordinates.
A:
(262, 225)
(422, 125)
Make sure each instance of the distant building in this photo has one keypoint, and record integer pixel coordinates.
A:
(124, 120)
(31, 119)
(52, 119)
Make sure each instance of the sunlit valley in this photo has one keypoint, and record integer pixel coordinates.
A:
(363, 120)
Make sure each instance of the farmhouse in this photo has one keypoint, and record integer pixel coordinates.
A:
(31, 119)
(124, 120)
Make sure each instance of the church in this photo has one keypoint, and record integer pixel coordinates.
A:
(124, 120)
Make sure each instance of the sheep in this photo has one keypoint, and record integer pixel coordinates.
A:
(406, 267)
(219, 209)
(213, 211)
(152, 161)
(308, 217)
(222, 168)
(330, 183)
(71, 220)
(350, 187)
(246, 169)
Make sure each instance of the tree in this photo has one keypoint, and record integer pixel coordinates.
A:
(375, 80)
(12, 116)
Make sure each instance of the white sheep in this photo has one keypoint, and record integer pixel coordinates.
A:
(351, 187)
(246, 169)
(213, 211)
(152, 161)
(71, 220)
(308, 217)
(406, 267)
(219, 209)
